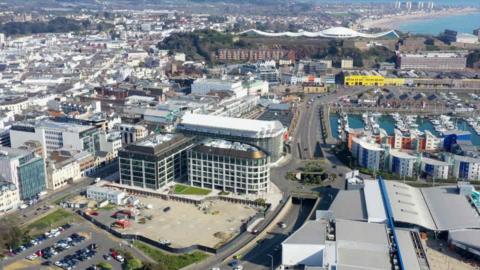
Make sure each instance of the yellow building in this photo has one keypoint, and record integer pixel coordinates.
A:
(365, 80)
(370, 78)
(314, 88)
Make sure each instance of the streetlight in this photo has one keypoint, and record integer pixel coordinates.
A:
(271, 261)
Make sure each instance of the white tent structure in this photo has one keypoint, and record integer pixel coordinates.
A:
(334, 32)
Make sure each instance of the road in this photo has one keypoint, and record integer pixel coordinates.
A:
(258, 257)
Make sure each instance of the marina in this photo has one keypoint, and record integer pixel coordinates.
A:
(405, 123)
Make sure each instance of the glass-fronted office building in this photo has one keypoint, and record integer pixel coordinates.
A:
(229, 166)
(155, 161)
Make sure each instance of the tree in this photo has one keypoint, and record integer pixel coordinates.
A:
(154, 266)
(105, 266)
(10, 234)
(133, 264)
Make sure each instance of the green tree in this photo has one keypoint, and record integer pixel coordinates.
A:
(133, 264)
(105, 266)
(10, 234)
(154, 266)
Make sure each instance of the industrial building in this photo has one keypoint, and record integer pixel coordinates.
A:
(229, 166)
(266, 135)
(155, 161)
(362, 230)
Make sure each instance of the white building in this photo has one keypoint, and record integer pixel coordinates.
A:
(56, 135)
(257, 87)
(434, 168)
(102, 193)
(432, 142)
(9, 197)
(466, 168)
(402, 163)
(267, 135)
(368, 155)
(14, 104)
(204, 86)
(62, 173)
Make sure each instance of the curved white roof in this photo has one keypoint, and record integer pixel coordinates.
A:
(334, 32)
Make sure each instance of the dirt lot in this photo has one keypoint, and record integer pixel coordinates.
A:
(446, 259)
(186, 224)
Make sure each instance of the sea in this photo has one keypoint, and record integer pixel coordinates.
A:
(433, 26)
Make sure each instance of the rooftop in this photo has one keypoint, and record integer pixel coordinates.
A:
(246, 127)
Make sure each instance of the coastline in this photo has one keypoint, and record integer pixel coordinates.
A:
(393, 21)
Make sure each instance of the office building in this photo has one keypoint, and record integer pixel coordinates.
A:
(24, 169)
(55, 135)
(432, 60)
(266, 135)
(155, 161)
(229, 166)
(205, 86)
(100, 194)
(9, 197)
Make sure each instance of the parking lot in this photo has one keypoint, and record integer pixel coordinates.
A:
(104, 243)
(219, 221)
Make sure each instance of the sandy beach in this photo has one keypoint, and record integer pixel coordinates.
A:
(393, 21)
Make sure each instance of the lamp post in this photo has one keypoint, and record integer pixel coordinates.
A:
(271, 261)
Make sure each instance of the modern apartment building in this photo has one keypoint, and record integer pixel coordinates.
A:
(155, 161)
(432, 60)
(368, 155)
(229, 166)
(434, 168)
(466, 168)
(204, 86)
(24, 169)
(402, 164)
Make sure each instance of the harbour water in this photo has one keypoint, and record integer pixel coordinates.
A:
(388, 124)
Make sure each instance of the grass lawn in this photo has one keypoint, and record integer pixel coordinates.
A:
(188, 190)
(108, 207)
(172, 262)
(54, 219)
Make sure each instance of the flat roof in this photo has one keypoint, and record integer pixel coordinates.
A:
(349, 204)
(407, 249)
(470, 238)
(221, 124)
(312, 232)
(363, 245)
(374, 201)
(449, 209)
